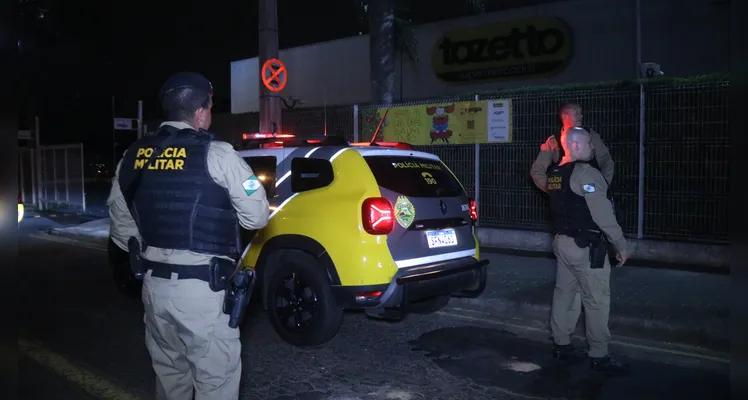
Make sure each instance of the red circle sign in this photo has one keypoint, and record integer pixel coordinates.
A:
(274, 75)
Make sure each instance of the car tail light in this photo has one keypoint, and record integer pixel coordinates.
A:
(20, 198)
(376, 214)
(473, 210)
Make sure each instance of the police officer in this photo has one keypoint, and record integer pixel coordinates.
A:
(584, 223)
(551, 153)
(182, 196)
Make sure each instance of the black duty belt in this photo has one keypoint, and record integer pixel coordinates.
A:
(164, 270)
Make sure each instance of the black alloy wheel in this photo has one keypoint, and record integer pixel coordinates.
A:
(296, 303)
(301, 304)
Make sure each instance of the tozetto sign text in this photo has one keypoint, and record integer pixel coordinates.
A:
(503, 51)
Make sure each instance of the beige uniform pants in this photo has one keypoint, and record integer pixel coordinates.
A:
(190, 342)
(573, 276)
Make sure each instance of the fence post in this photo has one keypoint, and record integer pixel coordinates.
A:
(54, 175)
(640, 195)
(140, 119)
(20, 169)
(33, 177)
(38, 150)
(477, 174)
(83, 181)
(355, 122)
(67, 179)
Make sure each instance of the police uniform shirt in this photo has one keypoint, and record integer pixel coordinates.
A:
(549, 154)
(228, 170)
(588, 182)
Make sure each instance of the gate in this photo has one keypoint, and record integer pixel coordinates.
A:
(61, 177)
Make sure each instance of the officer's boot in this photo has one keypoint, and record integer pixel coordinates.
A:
(609, 366)
(568, 353)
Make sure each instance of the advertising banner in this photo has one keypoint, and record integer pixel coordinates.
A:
(485, 121)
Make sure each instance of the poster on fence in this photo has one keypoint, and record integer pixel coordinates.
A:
(467, 122)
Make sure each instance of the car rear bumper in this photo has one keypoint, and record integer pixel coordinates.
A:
(461, 277)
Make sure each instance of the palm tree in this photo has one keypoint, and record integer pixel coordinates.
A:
(390, 33)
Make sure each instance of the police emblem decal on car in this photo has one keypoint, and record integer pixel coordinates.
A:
(405, 213)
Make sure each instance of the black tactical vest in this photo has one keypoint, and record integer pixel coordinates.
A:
(561, 151)
(176, 203)
(569, 210)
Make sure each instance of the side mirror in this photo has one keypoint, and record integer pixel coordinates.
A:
(310, 173)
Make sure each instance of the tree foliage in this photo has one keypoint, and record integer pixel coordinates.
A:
(406, 42)
(390, 27)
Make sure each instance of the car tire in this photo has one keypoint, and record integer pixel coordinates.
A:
(317, 317)
(429, 306)
(124, 279)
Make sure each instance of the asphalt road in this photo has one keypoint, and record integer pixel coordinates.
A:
(78, 339)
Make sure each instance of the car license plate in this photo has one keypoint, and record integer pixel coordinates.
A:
(441, 238)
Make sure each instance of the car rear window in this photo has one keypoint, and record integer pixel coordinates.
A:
(414, 177)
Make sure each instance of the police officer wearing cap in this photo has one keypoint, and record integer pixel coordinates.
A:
(585, 224)
(551, 152)
(176, 204)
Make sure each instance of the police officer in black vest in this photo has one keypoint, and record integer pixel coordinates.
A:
(584, 223)
(551, 153)
(176, 205)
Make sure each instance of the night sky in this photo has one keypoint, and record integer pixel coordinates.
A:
(80, 54)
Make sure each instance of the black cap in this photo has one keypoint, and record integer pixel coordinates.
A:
(186, 79)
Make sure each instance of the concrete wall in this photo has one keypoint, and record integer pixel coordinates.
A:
(686, 37)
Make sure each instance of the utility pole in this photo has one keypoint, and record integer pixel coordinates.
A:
(270, 102)
(140, 119)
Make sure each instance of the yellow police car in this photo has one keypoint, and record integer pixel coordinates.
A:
(374, 226)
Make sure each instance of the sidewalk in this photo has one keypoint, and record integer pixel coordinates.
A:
(95, 232)
(678, 307)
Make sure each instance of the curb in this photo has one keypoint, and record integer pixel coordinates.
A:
(98, 242)
(715, 256)
(631, 263)
(696, 257)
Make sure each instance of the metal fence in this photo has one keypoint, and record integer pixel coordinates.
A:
(685, 159)
(673, 138)
(61, 181)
